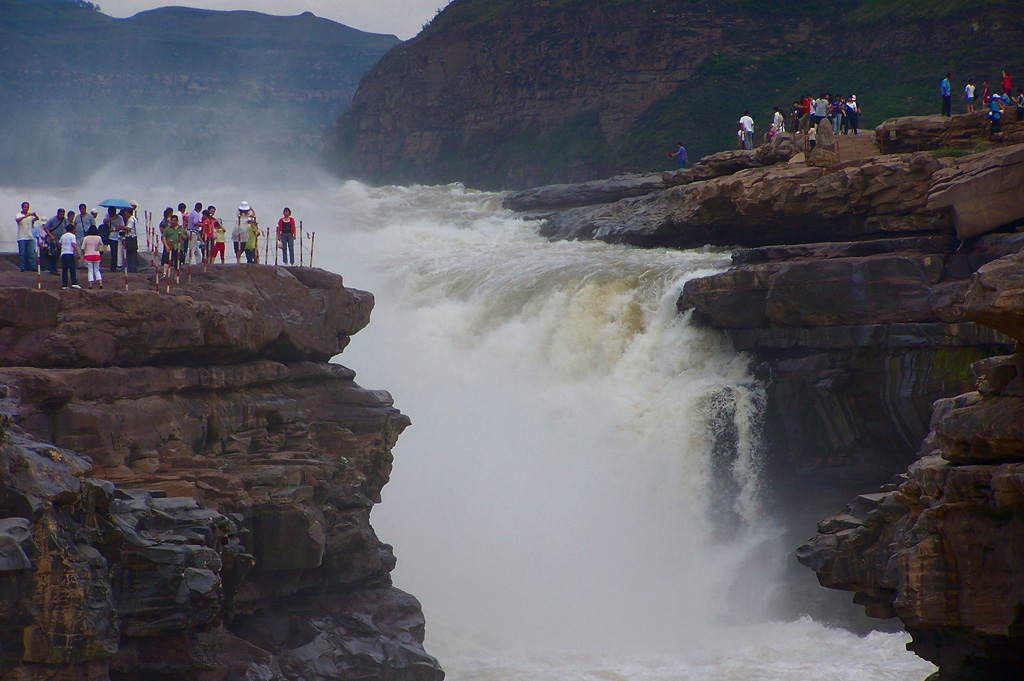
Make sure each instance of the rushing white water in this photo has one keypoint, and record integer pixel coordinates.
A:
(555, 505)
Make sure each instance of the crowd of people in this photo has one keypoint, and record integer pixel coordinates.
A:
(842, 112)
(181, 237)
(995, 102)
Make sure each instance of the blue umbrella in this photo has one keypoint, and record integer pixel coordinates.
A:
(116, 203)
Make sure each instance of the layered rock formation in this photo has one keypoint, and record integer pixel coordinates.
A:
(858, 339)
(186, 485)
(921, 133)
(941, 547)
(785, 203)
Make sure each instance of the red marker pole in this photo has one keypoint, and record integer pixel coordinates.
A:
(301, 233)
(277, 249)
(312, 245)
(39, 267)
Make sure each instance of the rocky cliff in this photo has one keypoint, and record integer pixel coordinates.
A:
(186, 484)
(940, 547)
(501, 94)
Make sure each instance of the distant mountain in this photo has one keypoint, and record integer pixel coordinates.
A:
(514, 93)
(80, 89)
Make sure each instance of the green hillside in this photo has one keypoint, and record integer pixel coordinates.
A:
(702, 63)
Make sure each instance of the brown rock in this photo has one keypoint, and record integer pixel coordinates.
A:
(983, 192)
(245, 478)
(781, 204)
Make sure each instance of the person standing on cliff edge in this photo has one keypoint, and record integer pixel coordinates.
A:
(747, 127)
(679, 153)
(26, 237)
(945, 93)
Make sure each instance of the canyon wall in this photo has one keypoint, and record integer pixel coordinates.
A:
(506, 95)
(940, 546)
(186, 485)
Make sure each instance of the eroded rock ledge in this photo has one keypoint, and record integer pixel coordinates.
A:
(186, 484)
(940, 547)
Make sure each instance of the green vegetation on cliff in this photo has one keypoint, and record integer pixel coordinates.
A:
(503, 94)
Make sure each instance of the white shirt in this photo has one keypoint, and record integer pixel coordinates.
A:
(748, 123)
(67, 243)
(25, 225)
(969, 92)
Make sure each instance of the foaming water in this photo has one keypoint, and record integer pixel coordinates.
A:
(557, 504)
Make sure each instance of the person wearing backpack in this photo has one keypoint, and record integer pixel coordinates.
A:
(52, 231)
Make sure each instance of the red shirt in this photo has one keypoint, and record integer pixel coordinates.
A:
(291, 224)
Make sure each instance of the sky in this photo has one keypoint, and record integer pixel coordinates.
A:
(404, 18)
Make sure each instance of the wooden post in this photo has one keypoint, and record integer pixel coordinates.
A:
(300, 243)
(312, 245)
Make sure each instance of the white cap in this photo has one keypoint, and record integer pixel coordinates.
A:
(244, 206)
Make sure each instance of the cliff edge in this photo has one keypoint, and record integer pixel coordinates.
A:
(186, 485)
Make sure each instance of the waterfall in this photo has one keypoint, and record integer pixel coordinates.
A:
(578, 495)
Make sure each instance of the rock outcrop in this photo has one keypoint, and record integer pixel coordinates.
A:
(785, 203)
(542, 201)
(857, 339)
(911, 134)
(983, 192)
(186, 484)
(941, 547)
